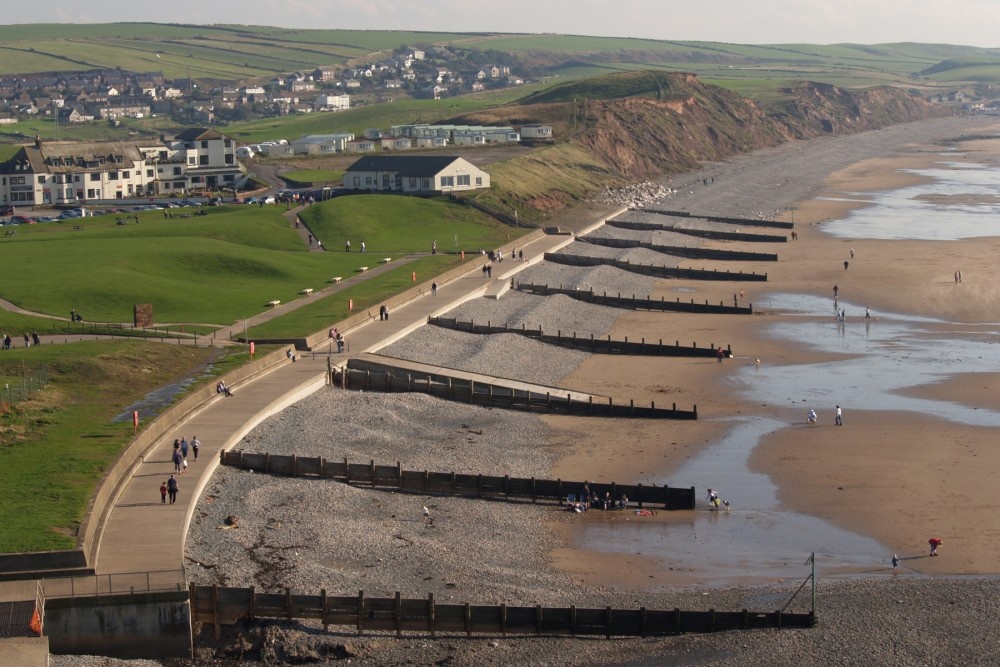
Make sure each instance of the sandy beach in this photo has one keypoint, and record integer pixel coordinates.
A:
(897, 477)
(888, 479)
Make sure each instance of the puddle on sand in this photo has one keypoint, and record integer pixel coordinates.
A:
(752, 543)
(959, 201)
(887, 354)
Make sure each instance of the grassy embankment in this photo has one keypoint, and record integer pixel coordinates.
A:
(218, 269)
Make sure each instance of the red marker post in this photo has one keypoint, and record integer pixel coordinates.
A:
(135, 422)
(253, 348)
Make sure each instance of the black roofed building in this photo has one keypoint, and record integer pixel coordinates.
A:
(415, 174)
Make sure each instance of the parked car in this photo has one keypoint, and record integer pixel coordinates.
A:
(215, 201)
(22, 220)
(250, 200)
(7, 209)
(269, 200)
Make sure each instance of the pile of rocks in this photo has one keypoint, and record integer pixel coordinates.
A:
(635, 195)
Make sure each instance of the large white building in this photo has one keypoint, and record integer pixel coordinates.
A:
(416, 174)
(53, 173)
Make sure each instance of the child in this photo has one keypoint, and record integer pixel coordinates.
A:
(163, 493)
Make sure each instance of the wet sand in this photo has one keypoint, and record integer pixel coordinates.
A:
(895, 477)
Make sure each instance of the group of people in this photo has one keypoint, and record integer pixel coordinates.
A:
(587, 499)
(838, 418)
(383, 312)
(716, 502)
(29, 340)
(179, 458)
(337, 338)
(347, 246)
(221, 388)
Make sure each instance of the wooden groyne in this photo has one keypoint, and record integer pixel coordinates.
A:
(654, 270)
(729, 220)
(490, 487)
(635, 303)
(365, 374)
(591, 344)
(217, 606)
(682, 251)
(700, 233)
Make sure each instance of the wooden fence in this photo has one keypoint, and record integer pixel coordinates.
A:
(496, 395)
(636, 303)
(217, 606)
(591, 344)
(699, 233)
(653, 270)
(745, 222)
(490, 487)
(683, 251)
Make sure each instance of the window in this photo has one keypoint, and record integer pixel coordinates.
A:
(126, 174)
(425, 184)
(112, 175)
(447, 181)
(41, 179)
(229, 158)
(177, 171)
(357, 181)
(203, 160)
(204, 144)
(463, 180)
(368, 180)
(479, 181)
(411, 183)
(149, 173)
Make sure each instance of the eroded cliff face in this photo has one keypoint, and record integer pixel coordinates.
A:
(676, 127)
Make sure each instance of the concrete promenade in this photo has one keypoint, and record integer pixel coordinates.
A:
(142, 534)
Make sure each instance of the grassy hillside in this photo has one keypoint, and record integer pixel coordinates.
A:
(218, 268)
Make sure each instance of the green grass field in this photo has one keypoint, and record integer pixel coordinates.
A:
(55, 446)
(215, 269)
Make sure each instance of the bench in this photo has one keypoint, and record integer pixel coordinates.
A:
(386, 260)
(336, 279)
(362, 269)
(275, 303)
(307, 291)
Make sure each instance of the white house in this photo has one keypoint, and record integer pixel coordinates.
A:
(418, 174)
(333, 102)
(537, 132)
(321, 144)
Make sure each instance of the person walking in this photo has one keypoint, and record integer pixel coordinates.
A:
(184, 447)
(434, 289)
(347, 247)
(836, 291)
(177, 458)
(364, 248)
(172, 489)
(195, 446)
(840, 417)
(163, 493)
(846, 264)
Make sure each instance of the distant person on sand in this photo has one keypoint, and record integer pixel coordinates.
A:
(895, 561)
(811, 417)
(935, 542)
(836, 291)
(846, 264)
(852, 253)
(840, 417)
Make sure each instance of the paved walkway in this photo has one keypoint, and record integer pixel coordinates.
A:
(144, 535)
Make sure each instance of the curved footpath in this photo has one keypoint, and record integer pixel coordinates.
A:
(141, 534)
